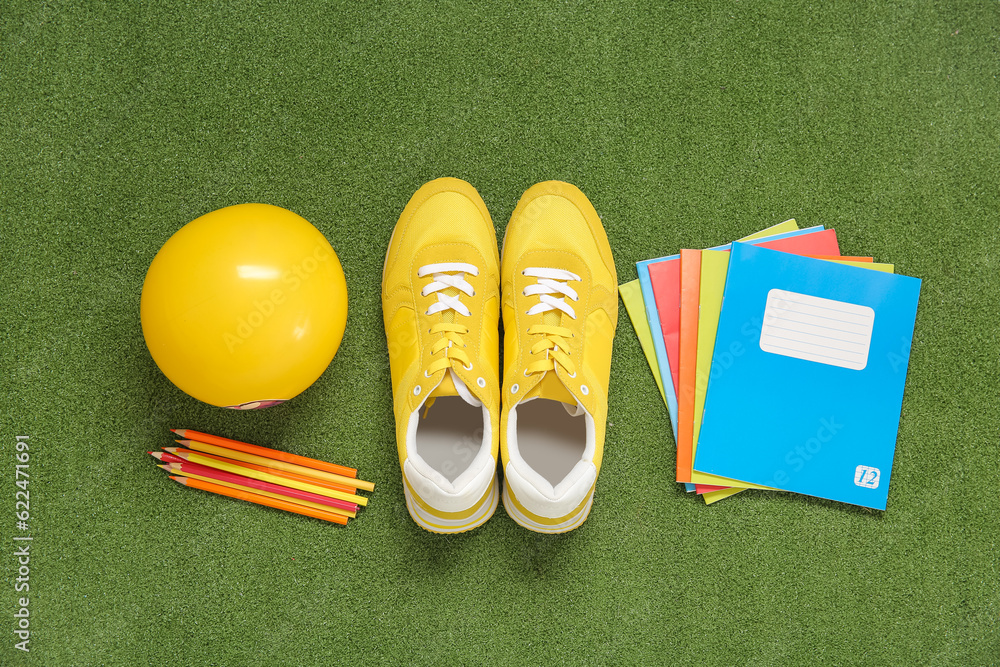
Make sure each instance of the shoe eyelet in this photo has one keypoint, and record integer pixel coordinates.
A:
(514, 388)
(416, 390)
(481, 382)
(525, 372)
(584, 390)
(572, 376)
(468, 368)
(426, 375)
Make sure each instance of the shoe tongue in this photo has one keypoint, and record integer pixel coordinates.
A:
(449, 314)
(552, 388)
(452, 385)
(446, 387)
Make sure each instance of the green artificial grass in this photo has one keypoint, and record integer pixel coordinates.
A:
(687, 125)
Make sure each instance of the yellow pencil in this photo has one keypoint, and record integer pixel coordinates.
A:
(266, 477)
(178, 470)
(246, 457)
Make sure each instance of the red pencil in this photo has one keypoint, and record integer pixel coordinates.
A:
(222, 476)
(166, 457)
(265, 451)
(260, 500)
(266, 476)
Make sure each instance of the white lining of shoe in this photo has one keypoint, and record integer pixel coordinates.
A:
(450, 492)
(532, 488)
(549, 438)
(449, 436)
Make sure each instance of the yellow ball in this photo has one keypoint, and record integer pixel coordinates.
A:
(244, 307)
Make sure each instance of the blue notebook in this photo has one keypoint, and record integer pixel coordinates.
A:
(810, 396)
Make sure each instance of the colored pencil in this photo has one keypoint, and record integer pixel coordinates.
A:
(266, 452)
(267, 469)
(260, 500)
(195, 457)
(239, 455)
(166, 456)
(257, 485)
(185, 469)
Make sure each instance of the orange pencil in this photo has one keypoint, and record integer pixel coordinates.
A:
(280, 473)
(195, 457)
(260, 500)
(179, 469)
(266, 452)
(240, 455)
(259, 486)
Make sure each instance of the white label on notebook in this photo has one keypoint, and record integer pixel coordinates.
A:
(867, 477)
(815, 329)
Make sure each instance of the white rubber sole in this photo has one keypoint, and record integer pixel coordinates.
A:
(563, 527)
(436, 524)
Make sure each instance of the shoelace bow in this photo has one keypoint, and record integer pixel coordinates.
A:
(553, 338)
(448, 275)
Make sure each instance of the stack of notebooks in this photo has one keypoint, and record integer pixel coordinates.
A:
(781, 362)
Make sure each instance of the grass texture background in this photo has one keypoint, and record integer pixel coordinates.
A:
(687, 125)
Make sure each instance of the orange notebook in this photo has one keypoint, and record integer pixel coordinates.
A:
(690, 280)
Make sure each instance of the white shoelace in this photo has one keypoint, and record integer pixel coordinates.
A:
(445, 275)
(551, 281)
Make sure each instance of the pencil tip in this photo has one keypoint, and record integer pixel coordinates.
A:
(177, 431)
(179, 479)
(156, 455)
(183, 442)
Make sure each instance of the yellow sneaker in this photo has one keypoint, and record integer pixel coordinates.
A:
(560, 310)
(440, 305)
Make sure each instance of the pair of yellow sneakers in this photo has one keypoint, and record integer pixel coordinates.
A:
(443, 291)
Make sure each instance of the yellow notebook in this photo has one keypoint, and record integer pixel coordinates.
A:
(631, 294)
